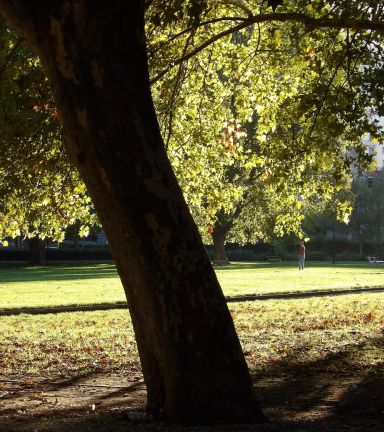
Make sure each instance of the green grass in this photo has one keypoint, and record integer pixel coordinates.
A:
(267, 278)
(67, 285)
(343, 334)
(332, 335)
(29, 287)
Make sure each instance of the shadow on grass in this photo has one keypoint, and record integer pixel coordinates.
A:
(67, 382)
(332, 389)
(342, 400)
(81, 399)
(59, 273)
(70, 307)
(344, 362)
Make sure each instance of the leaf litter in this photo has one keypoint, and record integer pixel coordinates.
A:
(71, 366)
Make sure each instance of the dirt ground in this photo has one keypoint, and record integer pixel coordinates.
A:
(102, 403)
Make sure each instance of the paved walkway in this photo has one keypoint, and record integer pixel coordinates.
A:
(248, 297)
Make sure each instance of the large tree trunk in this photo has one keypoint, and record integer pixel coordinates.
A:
(36, 253)
(95, 57)
(218, 237)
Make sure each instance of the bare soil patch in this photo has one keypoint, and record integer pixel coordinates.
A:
(103, 402)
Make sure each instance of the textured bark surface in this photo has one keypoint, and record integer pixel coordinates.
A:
(94, 55)
(218, 238)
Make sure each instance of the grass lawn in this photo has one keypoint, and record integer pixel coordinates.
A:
(267, 278)
(62, 285)
(66, 285)
(332, 335)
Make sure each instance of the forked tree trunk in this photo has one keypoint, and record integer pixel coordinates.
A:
(36, 255)
(95, 57)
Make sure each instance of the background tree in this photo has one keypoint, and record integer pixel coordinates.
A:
(299, 115)
(40, 192)
(203, 159)
(367, 221)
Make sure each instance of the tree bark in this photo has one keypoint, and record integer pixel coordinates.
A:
(223, 225)
(218, 237)
(37, 252)
(95, 58)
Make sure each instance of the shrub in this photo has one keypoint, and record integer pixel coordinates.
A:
(241, 255)
(281, 251)
(318, 256)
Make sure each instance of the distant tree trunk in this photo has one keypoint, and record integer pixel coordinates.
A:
(218, 237)
(378, 222)
(360, 243)
(76, 243)
(96, 61)
(37, 252)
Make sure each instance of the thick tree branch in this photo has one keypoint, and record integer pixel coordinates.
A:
(190, 29)
(310, 24)
(228, 225)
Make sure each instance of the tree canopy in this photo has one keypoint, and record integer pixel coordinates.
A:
(298, 88)
(236, 87)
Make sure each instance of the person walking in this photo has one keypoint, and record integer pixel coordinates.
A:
(301, 256)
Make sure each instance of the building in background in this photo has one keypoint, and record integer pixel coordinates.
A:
(378, 148)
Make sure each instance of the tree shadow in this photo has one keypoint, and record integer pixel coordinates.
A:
(323, 392)
(301, 294)
(59, 273)
(59, 387)
(304, 396)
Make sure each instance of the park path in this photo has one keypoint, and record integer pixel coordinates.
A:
(233, 299)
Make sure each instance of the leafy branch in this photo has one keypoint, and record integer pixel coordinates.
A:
(310, 24)
(10, 55)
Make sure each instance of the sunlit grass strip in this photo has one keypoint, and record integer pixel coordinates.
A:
(274, 278)
(60, 286)
(335, 335)
(100, 284)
